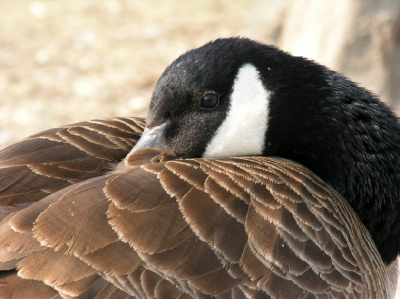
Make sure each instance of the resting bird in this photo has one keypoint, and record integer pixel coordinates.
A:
(256, 174)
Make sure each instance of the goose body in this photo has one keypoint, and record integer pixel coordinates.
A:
(256, 174)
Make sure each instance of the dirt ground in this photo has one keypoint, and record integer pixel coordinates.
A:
(65, 61)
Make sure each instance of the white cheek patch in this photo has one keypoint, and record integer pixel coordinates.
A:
(243, 131)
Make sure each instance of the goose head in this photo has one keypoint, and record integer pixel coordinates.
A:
(236, 97)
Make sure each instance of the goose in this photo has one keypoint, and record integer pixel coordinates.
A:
(256, 174)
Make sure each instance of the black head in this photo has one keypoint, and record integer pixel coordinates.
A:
(235, 97)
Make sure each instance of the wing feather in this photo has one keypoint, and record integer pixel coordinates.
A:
(159, 227)
(72, 220)
(12, 286)
(54, 159)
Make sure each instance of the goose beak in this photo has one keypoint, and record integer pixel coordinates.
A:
(151, 138)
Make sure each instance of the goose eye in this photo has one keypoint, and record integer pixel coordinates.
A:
(209, 100)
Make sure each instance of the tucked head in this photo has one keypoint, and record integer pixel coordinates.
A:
(237, 97)
(216, 99)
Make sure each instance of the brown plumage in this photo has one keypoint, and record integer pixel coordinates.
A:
(78, 223)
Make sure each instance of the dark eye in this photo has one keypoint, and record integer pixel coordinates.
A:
(209, 100)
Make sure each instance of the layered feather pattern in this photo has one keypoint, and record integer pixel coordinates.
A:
(78, 223)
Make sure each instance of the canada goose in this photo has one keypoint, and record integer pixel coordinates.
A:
(234, 189)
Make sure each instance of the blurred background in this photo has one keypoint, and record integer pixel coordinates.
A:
(64, 61)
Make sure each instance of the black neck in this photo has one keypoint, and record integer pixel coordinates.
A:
(352, 141)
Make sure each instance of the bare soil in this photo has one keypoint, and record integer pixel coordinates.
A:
(65, 61)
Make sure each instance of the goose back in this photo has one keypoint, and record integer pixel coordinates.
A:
(154, 226)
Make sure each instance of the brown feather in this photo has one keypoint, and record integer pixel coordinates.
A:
(14, 241)
(213, 225)
(23, 221)
(54, 159)
(164, 289)
(150, 223)
(95, 289)
(77, 288)
(149, 281)
(72, 220)
(14, 287)
(152, 231)
(112, 259)
(159, 227)
(137, 190)
(40, 266)
(108, 291)
(20, 184)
